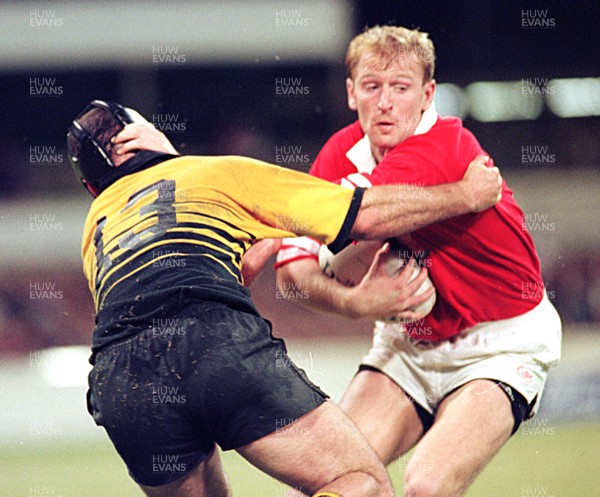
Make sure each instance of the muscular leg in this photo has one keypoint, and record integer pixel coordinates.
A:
(206, 479)
(322, 451)
(471, 426)
(383, 413)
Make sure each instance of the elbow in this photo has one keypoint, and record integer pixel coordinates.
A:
(371, 225)
(375, 225)
(363, 226)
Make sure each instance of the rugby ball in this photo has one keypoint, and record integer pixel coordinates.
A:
(350, 265)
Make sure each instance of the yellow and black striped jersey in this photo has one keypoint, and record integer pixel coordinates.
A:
(181, 227)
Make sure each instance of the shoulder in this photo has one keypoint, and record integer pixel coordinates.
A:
(447, 125)
(448, 136)
(331, 162)
(453, 128)
(345, 137)
(438, 156)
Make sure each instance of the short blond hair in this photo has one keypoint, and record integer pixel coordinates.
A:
(388, 43)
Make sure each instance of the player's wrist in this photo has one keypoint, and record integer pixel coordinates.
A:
(463, 197)
(350, 302)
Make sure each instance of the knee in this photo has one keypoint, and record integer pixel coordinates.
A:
(364, 483)
(359, 483)
(425, 484)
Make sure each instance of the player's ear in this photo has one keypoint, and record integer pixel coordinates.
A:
(428, 93)
(94, 192)
(351, 94)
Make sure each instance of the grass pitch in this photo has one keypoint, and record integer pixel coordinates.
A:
(557, 461)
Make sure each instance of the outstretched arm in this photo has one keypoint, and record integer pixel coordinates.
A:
(392, 210)
(386, 211)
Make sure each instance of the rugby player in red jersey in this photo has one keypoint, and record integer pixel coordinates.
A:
(457, 383)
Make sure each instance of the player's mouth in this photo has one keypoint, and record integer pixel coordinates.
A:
(385, 126)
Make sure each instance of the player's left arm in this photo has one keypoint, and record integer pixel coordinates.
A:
(377, 295)
(393, 210)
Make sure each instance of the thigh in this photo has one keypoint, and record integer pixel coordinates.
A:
(384, 413)
(470, 427)
(317, 449)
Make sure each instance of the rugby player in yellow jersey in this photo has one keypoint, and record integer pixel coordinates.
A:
(182, 360)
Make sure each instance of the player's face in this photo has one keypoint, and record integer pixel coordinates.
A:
(389, 99)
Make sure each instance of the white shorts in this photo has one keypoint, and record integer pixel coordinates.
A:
(518, 352)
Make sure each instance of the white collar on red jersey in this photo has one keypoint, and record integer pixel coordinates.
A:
(361, 156)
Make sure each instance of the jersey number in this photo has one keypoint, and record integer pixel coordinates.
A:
(162, 207)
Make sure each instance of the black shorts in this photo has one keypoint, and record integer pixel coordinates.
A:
(209, 374)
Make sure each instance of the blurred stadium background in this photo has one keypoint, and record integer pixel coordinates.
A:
(266, 79)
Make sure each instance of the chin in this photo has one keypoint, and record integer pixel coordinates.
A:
(389, 143)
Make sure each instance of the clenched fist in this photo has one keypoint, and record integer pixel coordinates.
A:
(481, 184)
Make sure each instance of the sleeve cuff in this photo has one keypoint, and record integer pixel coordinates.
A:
(343, 237)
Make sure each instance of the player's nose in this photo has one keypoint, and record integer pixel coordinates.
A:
(385, 102)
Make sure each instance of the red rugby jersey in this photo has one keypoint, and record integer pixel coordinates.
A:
(484, 266)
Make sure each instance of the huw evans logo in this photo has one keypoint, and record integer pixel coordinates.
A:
(168, 54)
(536, 492)
(290, 87)
(167, 395)
(168, 463)
(536, 86)
(538, 222)
(536, 291)
(45, 87)
(290, 154)
(42, 290)
(44, 19)
(287, 290)
(285, 18)
(44, 222)
(537, 19)
(164, 259)
(537, 426)
(537, 155)
(42, 154)
(43, 491)
(169, 123)
(168, 327)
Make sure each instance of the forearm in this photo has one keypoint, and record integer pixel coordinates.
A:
(392, 210)
(303, 282)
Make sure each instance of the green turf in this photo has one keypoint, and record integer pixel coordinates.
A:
(560, 462)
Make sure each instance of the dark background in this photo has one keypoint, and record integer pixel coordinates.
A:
(481, 40)
(233, 109)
